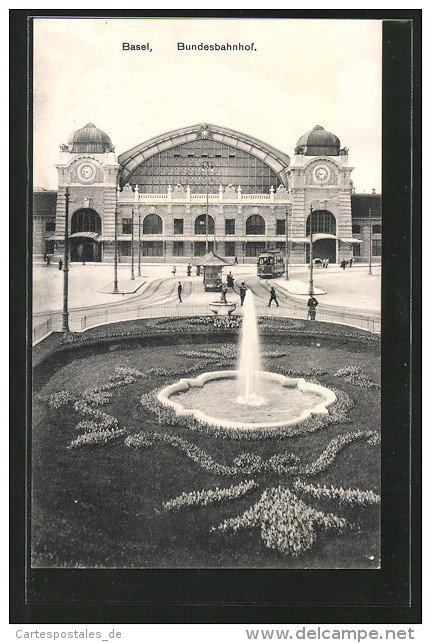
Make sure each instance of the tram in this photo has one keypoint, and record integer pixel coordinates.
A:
(270, 264)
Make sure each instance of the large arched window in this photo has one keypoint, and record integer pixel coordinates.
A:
(200, 224)
(86, 220)
(322, 221)
(153, 224)
(255, 224)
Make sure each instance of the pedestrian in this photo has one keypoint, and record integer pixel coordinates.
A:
(60, 264)
(44, 257)
(230, 281)
(242, 292)
(311, 305)
(198, 271)
(48, 261)
(189, 270)
(236, 260)
(180, 290)
(273, 297)
(343, 264)
(351, 261)
(174, 270)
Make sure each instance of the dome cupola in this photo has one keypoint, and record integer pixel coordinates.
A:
(89, 139)
(318, 142)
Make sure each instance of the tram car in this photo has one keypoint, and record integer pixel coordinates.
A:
(270, 264)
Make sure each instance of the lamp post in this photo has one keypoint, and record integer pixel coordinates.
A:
(65, 326)
(116, 245)
(311, 288)
(370, 272)
(132, 267)
(139, 241)
(287, 243)
(207, 168)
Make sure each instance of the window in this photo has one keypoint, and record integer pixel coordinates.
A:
(255, 225)
(50, 226)
(229, 248)
(253, 249)
(153, 224)
(323, 221)
(281, 226)
(49, 247)
(152, 248)
(179, 247)
(356, 229)
(356, 249)
(200, 250)
(126, 226)
(200, 227)
(179, 228)
(376, 248)
(126, 248)
(280, 245)
(229, 226)
(377, 229)
(86, 220)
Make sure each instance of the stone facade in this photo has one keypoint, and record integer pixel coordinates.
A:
(171, 222)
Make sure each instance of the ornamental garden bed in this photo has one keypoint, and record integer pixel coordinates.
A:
(117, 482)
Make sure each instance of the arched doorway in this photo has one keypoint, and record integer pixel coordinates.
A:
(323, 223)
(85, 228)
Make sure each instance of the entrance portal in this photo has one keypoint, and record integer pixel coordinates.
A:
(83, 250)
(324, 249)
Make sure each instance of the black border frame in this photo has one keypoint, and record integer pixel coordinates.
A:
(389, 595)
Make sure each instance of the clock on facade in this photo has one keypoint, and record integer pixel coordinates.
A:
(321, 174)
(86, 171)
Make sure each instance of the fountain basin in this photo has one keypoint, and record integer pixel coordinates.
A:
(221, 307)
(210, 398)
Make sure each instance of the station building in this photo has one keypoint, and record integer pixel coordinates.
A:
(205, 187)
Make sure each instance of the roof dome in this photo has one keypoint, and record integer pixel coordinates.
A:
(89, 139)
(318, 142)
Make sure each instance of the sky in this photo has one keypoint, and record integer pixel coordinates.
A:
(300, 73)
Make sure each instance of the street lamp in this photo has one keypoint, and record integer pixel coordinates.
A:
(311, 288)
(132, 267)
(207, 169)
(116, 245)
(287, 243)
(65, 327)
(371, 241)
(139, 241)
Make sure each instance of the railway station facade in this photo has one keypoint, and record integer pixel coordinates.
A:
(205, 187)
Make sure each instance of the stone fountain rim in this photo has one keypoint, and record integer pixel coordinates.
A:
(184, 384)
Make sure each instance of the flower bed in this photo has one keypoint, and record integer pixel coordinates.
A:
(246, 463)
(286, 523)
(210, 496)
(355, 375)
(341, 496)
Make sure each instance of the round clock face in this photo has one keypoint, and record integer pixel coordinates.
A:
(321, 174)
(86, 171)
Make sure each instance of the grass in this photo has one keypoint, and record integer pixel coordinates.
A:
(101, 505)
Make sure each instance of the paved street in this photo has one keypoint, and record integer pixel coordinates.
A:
(351, 289)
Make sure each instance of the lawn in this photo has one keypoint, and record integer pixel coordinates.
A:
(102, 504)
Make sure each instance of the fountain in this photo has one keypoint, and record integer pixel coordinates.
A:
(223, 306)
(248, 398)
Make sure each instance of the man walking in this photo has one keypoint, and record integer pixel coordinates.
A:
(242, 292)
(273, 297)
(311, 305)
(180, 290)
